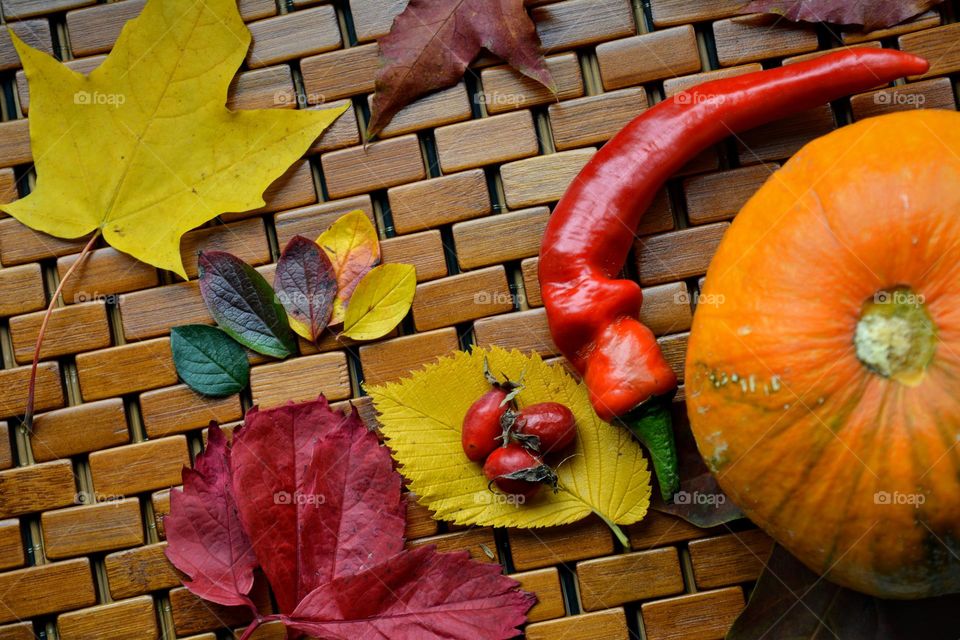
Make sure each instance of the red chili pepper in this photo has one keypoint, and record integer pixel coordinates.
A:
(594, 317)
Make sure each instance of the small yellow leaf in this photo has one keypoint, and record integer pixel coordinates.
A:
(353, 247)
(144, 148)
(380, 302)
(605, 473)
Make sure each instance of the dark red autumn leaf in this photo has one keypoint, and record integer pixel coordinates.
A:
(433, 41)
(306, 285)
(204, 537)
(791, 601)
(318, 494)
(417, 594)
(871, 14)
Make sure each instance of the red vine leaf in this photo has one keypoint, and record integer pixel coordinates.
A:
(417, 594)
(204, 536)
(433, 41)
(871, 14)
(323, 492)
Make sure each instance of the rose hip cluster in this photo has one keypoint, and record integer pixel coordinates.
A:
(512, 444)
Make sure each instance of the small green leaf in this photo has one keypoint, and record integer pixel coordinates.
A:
(208, 360)
(380, 301)
(244, 304)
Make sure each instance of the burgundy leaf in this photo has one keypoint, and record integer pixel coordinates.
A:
(417, 594)
(319, 495)
(871, 14)
(432, 42)
(306, 284)
(204, 537)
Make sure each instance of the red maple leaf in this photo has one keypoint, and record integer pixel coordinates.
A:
(319, 507)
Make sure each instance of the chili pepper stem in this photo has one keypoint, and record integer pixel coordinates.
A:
(27, 424)
(617, 531)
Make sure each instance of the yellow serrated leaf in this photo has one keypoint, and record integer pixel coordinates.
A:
(605, 473)
(353, 247)
(380, 301)
(144, 148)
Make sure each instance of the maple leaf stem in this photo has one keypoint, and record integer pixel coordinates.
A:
(259, 620)
(27, 424)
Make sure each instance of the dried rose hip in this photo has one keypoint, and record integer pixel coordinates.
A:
(517, 471)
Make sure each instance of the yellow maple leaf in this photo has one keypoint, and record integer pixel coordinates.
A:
(606, 472)
(143, 148)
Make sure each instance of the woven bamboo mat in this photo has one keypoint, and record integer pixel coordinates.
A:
(461, 186)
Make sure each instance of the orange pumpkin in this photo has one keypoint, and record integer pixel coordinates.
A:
(823, 370)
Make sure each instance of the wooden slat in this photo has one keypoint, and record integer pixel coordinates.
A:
(35, 33)
(651, 56)
(925, 20)
(526, 331)
(536, 548)
(161, 502)
(438, 201)
(463, 297)
(505, 89)
(103, 273)
(660, 529)
(138, 468)
(433, 110)
(116, 371)
(20, 9)
(577, 23)
(37, 487)
(8, 187)
(79, 429)
(372, 18)
(70, 330)
(615, 580)
(486, 141)
(423, 250)
(293, 189)
(377, 166)
(178, 409)
(267, 88)
(677, 254)
(545, 583)
(501, 238)
(344, 132)
(713, 197)
(936, 93)
(14, 143)
(78, 531)
(20, 244)
(392, 359)
(781, 139)
(6, 449)
(937, 46)
(313, 220)
(95, 29)
(281, 38)
(671, 12)
(599, 625)
(191, 614)
(151, 313)
(729, 559)
(813, 55)
(133, 619)
(594, 119)
(301, 379)
(21, 290)
(133, 572)
(696, 616)
(673, 86)
(542, 179)
(11, 545)
(17, 631)
(477, 541)
(420, 520)
(46, 588)
(741, 41)
(246, 240)
(674, 348)
(14, 382)
(340, 74)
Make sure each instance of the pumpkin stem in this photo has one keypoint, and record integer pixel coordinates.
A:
(895, 336)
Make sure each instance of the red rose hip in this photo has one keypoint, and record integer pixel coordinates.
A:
(515, 470)
(551, 423)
